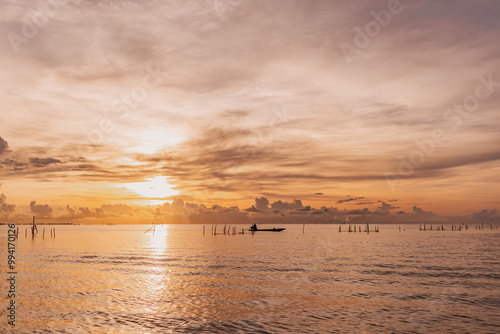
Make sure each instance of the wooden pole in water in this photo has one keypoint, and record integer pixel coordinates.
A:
(25, 232)
(303, 227)
(43, 236)
(203, 229)
(33, 228)
(17, 234)
(340, 228)
(54, 232)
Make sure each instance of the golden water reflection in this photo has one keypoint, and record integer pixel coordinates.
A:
(157, 278)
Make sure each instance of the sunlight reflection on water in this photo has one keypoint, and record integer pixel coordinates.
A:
(118, 279)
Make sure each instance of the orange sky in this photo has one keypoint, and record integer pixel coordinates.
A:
(371, 110)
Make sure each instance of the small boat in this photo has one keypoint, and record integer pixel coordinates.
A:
(254, 228)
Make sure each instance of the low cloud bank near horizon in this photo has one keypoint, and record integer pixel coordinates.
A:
(263, 211)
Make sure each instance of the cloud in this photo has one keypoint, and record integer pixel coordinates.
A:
(262, 204)
(220, 209)
(163, 209)
(192, 207)
(116, 208)
(74, 213)
(5, 209)
(16, 165)
(252, 209)
(286, 206)
(41, 210)
(421, 214)
(177, 205)
(385, 208)
(487, 216)
(349, 199)
(4, 146)
(37, 162)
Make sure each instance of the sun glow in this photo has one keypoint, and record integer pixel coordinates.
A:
(154, 140)
(153, 188)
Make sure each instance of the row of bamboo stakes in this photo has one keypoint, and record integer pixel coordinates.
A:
(34, 231)
(366, 228)
(229, 230)
(353, 228)
(457, 227)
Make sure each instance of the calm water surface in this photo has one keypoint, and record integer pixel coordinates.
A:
(118, 279)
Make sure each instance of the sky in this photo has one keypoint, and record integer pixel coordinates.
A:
(205, 111)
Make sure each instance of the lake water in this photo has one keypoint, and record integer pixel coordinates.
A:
(119, 279)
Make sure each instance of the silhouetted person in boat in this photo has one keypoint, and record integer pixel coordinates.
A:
(253, 227)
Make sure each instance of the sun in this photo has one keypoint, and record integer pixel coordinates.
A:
(152, 188)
